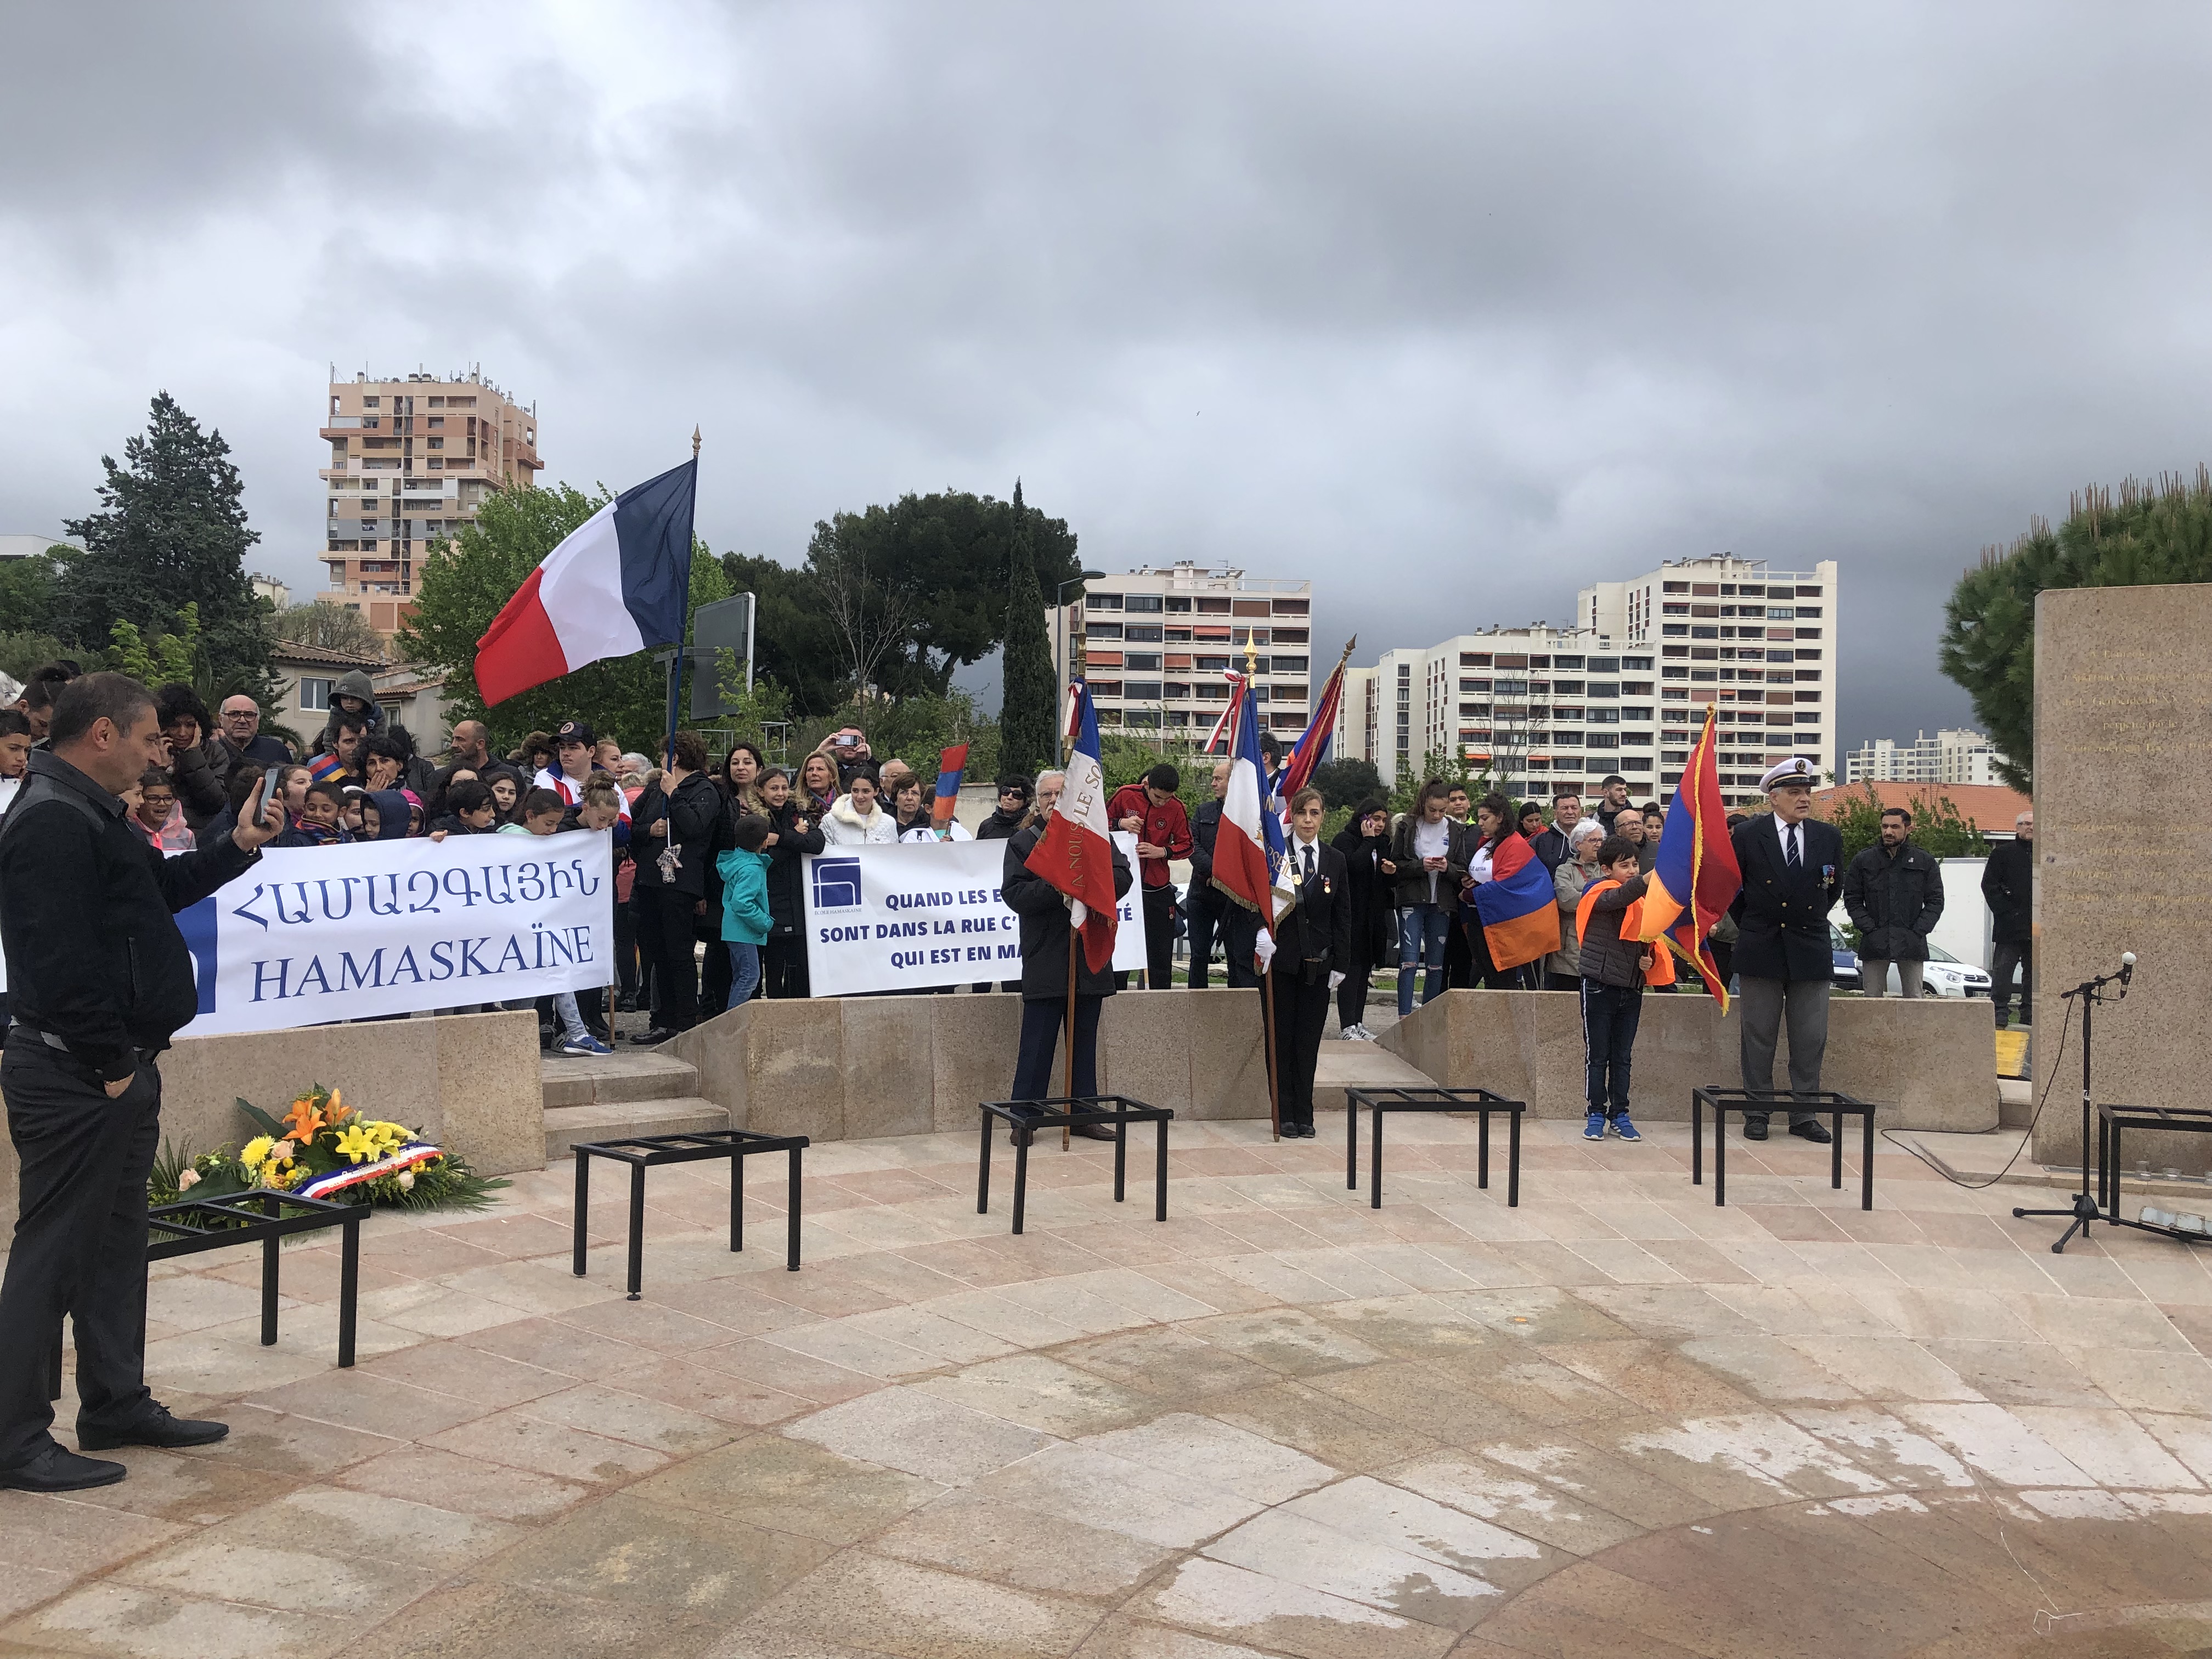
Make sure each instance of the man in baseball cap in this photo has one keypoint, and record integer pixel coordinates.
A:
(574, 766)
(1792, 867)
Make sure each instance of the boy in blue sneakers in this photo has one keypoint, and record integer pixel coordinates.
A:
(1615, 968)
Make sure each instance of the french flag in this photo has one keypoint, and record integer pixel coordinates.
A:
(1075, 853)
(618, 582)
(1249, 861)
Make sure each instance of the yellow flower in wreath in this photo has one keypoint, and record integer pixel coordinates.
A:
(357, 1144)
(252, 1154)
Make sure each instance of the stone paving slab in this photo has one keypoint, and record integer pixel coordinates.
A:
(1615, 1420)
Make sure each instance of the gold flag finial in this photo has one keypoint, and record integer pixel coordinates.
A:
(694, 443)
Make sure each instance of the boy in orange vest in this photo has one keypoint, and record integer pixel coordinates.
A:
(1615, 968)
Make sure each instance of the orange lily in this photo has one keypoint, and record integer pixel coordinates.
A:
(335, 1114)
(304, 1119)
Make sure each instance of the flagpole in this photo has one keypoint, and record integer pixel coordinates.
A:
(1267, 1026)
(1068, 1088)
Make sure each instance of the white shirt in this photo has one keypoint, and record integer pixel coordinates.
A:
(1305, 857)
(1790, 834)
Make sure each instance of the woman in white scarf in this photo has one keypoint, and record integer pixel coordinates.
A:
(856, 819)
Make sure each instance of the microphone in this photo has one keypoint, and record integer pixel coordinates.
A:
(2127, 966)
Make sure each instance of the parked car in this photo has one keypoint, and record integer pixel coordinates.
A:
(1945, 976)
(1846, 959)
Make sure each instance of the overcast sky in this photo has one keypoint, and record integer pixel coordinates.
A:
(1451, 307)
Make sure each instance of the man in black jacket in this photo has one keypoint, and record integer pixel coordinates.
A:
(1313, 944)
(1557, 844)
(102, 979)
(1044, 909)
(671, 832)
(1893, 894)
(1784, 962)
(1204, 905)
(2009, 884)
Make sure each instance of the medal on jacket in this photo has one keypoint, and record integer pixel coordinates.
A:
(668, 862)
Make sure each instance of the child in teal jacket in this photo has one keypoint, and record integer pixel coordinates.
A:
(745, 918)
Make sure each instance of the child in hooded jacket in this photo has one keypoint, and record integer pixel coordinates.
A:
(746, 918)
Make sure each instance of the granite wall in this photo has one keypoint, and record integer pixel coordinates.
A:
(1929, 1060)
(846, 1067)
(2119, 737)
(468, 1081)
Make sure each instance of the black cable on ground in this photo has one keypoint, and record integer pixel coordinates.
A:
(2025, 1141)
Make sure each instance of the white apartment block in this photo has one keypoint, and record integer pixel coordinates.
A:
(1951, 755)
(1156, 644)
(1623, 690)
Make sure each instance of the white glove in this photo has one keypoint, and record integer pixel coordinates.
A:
(1335, 979)
(1263, 951)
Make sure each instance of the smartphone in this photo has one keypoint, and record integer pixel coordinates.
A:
(272, 784)
(847, 741)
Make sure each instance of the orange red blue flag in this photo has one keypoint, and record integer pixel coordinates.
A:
(1695, 877)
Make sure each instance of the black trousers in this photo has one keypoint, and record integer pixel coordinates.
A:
(1301, 1013)
(1610, 1016)
(1205, 907)
(80, 1245)
(1240, 932)
(1462, 971)
(664, 941)
(1035, 1078)
(714, 997)
(626, 950)
(783, 966)
(2004, 958)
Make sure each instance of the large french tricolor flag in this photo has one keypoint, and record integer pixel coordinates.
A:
(1518, 905)
(1076, 852)
(1249, 866)
(1695, 876)
(617, 583)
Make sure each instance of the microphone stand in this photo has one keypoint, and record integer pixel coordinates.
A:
(2086, 1209)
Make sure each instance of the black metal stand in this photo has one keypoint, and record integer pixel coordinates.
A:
(1025, 1117)
(1381, 1101)
(642, 1152)
(2111, 1121)
(2085, 1208)
(1838, 1107)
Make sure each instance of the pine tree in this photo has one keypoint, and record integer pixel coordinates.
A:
(1025, 718)
(171, 532)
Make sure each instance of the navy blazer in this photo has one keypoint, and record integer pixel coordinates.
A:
(1782, 914)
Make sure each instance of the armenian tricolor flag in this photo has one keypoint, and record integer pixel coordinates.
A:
(1518, 905)
(1311, 749)
(951, 763)
(1695, 877)
(324, 767)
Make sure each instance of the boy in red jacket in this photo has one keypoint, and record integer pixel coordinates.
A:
(1153, 813)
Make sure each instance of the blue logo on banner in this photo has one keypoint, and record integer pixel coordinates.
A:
(197, 923)
(837, 884)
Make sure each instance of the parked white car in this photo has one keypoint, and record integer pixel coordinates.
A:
(1944, 975)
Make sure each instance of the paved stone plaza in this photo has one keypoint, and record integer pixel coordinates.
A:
(1614, 1422)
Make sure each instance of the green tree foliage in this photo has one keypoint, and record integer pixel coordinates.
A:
(916, 730)
(915, 590)
(21, 653)
(2150, 534)
(462, 585)
(1345, 783)
(333, 627)
(1938, 826)
(26, 593)
(1443, 763)
(168, 660)
(1029, 708)
(171, 530)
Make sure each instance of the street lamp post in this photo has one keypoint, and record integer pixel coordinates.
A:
(1059, 656)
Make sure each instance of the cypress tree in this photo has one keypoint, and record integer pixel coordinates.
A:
(1025, 717)
(171, 532)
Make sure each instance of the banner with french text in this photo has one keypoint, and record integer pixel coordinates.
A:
(312, 934)
(915, 914)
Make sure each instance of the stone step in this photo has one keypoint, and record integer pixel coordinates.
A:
(637, 1074)
(613, 1120)
(1345, 1065)
(2016, 1102)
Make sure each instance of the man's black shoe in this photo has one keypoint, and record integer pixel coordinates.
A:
(659, 1033)
(1816, 1132)
(1095, 1131)
(58, 1469)
(156, 1428)
(1754, 1128)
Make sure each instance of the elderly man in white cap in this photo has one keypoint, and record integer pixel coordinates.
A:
(1792, 867)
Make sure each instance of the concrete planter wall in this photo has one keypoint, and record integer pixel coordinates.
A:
(848, 1068)
(469, 1081)
(1931, 1060)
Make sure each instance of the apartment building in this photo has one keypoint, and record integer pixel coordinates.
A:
(1622, 689)
(1156, 644)
(1951, 755)
(410, 461)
